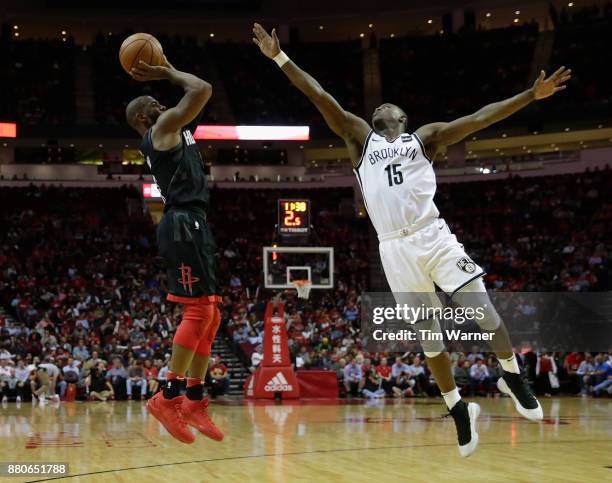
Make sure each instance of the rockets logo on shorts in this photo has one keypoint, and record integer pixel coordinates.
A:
(467, 265)
(187, 280)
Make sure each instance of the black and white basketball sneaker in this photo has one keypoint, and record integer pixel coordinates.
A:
(465, 416)
(516, 387)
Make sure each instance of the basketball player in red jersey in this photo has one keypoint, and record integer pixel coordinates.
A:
(184, 241)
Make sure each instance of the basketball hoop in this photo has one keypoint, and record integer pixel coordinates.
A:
(303, 288)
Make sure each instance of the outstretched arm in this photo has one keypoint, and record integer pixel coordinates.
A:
(438, 135)
(197, 93)
(349, 127)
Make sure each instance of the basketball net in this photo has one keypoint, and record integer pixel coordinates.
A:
(303, 288)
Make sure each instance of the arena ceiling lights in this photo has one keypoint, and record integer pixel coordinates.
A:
(252, 133)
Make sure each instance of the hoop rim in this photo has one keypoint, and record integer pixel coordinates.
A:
(302, 287)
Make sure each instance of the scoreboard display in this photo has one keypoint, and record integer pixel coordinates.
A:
(293, 217)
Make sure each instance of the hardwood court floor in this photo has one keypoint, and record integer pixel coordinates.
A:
(314, 441)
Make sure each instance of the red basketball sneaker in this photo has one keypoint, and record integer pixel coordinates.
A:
(196, 414)
(170, 413)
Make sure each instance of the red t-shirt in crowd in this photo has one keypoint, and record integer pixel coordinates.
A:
(150, 372)
(384, 371)
(545, 365)
(573, 360)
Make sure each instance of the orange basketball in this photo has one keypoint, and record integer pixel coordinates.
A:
(139, 47)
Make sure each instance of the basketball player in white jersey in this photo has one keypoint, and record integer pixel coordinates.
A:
(417, 249)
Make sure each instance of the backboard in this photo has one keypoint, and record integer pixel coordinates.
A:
(282, 265)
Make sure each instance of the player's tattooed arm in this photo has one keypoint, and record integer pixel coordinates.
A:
(438, 135)
(197, 93)
(348, 126)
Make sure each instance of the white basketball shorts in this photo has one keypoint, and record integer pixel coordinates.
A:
(414, 261)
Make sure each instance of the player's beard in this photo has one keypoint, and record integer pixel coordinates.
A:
(153, 117)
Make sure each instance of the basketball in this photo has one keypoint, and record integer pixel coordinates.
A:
(139, 47)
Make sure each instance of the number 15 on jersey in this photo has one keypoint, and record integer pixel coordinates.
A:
(394, 175)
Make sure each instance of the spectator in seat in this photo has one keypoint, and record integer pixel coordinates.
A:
(241, 334)
(371, 388)
(117, 376)
(162, 375)
(546, 374)
(402, 385)
(150, 373)
(98, 385)
(136, 378)
(399, 367)
(479, 377)
(11, 386)
(5, 369)
(80, 351)
(90, 363)
(5, 355)
(353, 378)
(219, 377)
(495, 370)
(256, 358)
(324, 345)
(338, 367)
(417, 373)
(254, 338)
(570, 366)
(474, 355)
(366, 364)
(70, 375)
(351, 312)
(585, 371)
(462, 375)
(321, 360)
(235, 281)
(600, 374)
(23, 374)
(302, 360)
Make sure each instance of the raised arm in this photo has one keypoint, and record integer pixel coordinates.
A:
(349, 127)
(438, 135)
(168, 126)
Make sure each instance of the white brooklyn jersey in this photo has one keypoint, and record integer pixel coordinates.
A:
(398, 183)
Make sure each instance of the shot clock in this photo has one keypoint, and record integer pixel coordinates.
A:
(293, 217)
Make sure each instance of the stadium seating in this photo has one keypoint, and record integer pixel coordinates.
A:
(420, 73)
(423, 74)
(37, 78)
(584, 44)
(95, 271)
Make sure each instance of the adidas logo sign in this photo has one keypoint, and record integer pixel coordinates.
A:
(278, 383)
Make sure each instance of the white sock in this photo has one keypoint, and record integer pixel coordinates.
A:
(510, 365)
(451, 398)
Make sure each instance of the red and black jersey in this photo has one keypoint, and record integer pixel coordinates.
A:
(179, 172)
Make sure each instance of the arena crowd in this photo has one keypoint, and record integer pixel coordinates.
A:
(82, 290)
